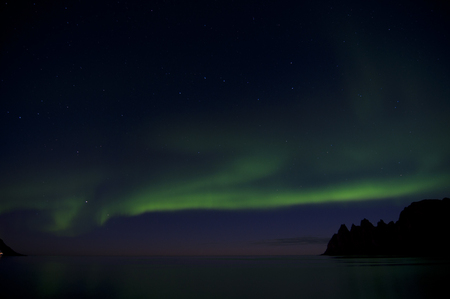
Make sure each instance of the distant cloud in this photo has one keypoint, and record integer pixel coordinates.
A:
(293, 241)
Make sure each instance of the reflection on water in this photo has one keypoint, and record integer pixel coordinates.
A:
(221, 277)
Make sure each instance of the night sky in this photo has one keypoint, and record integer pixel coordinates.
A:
(217, 127)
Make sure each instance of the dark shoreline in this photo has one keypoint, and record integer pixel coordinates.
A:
(419, 232)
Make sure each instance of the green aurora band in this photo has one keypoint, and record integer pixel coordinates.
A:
(178, 199)
(233, 171)
(71, 200)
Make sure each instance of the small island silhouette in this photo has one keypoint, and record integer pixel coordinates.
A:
(421, 230)
(7, 251)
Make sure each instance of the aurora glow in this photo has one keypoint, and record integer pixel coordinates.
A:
(142, 111)
(238, 182)
(149, 201)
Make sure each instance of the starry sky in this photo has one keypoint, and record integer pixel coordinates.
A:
(217, 127)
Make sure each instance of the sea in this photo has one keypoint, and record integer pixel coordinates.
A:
(223, 277)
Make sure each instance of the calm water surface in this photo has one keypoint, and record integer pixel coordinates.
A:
(222, 277)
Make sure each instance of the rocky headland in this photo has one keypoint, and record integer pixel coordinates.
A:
(7, 251)
(422, 230)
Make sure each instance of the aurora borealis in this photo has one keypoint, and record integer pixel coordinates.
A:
(130, 112)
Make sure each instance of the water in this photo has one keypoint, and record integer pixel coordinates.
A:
(221, 277)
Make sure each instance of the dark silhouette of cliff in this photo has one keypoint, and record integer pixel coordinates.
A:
(7, 251)
(421, 230)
